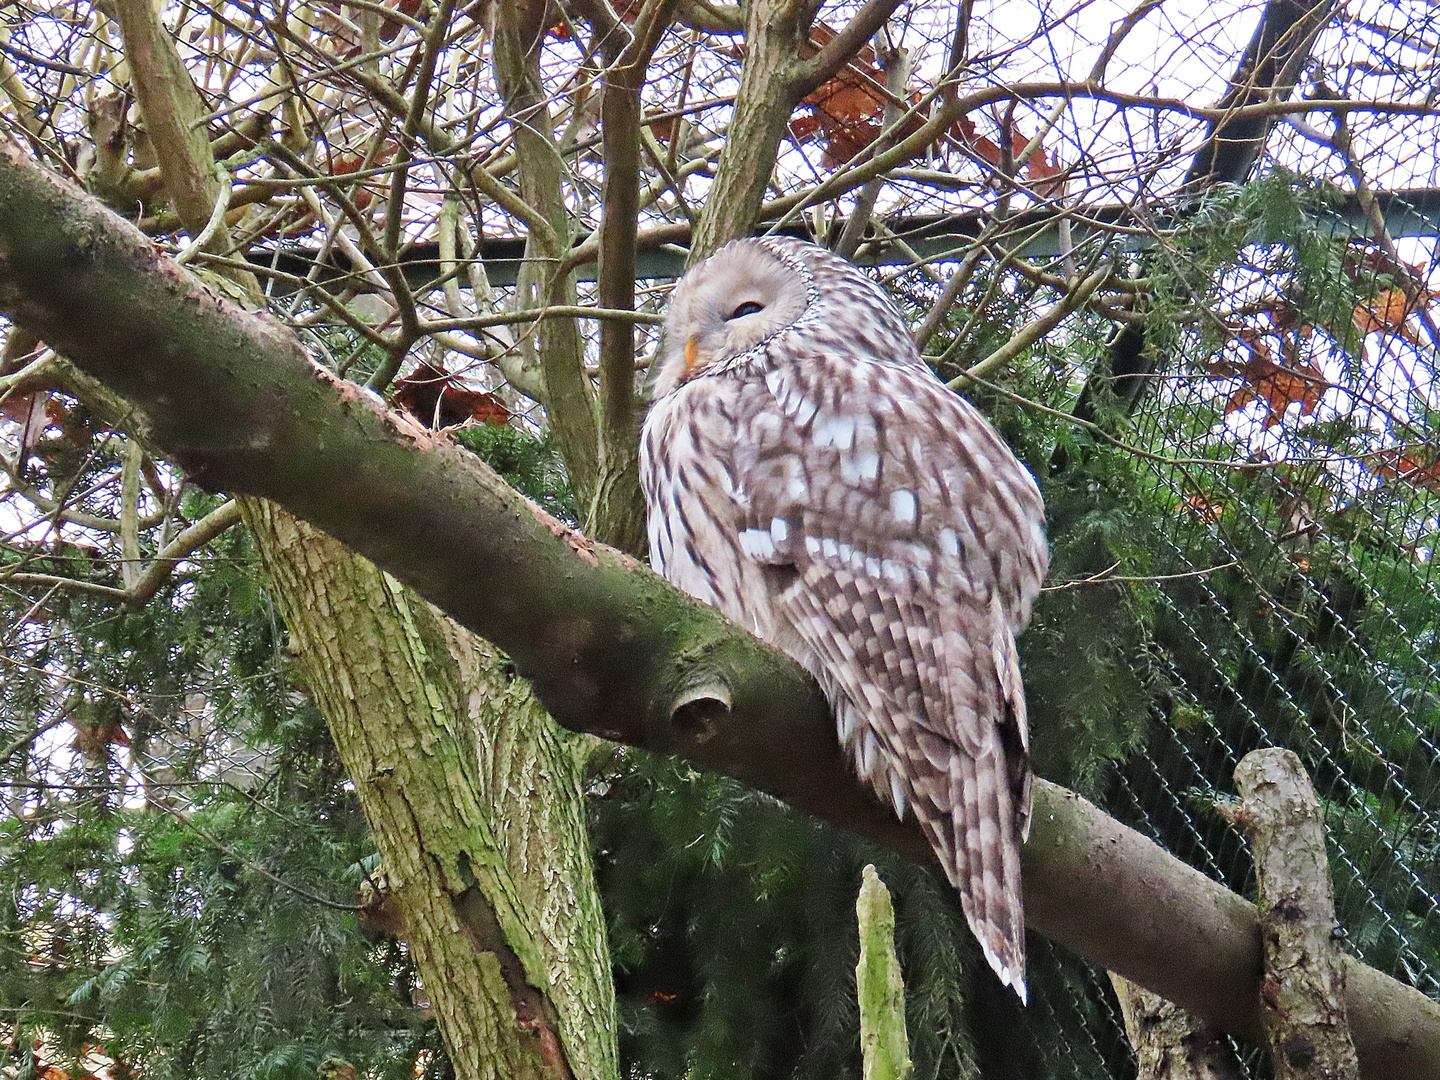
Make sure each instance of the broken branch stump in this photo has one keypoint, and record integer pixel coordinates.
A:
(1303, 991)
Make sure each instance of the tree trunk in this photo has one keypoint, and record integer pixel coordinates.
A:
(474, 798)
(774, 32)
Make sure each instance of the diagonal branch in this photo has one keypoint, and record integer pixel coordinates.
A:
(186, 544)
(806, 75)
(608, 647)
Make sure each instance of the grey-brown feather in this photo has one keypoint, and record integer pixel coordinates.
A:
(807, 474)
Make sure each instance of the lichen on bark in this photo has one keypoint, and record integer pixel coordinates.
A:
(474, 799)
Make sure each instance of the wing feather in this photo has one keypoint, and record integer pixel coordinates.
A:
(915, 549)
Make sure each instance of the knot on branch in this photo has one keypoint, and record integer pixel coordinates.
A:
(697, 710)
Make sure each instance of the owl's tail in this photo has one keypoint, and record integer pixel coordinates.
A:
(978, 842)
(980, 848)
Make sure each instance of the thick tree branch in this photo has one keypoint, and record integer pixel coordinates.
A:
(1304, 988)
(1268, 71)
(174, 120)
(173, 112)
(609, 648)
(775, 32)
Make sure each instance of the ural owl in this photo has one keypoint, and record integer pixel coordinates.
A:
(807, 474)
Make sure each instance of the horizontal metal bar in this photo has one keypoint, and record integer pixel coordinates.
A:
(1408, 212)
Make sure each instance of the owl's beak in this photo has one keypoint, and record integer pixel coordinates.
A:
(692, 358)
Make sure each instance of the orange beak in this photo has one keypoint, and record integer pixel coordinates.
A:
(692, 358)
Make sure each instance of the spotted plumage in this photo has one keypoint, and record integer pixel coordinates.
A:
(807, 474)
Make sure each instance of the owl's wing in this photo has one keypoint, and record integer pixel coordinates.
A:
(903, 547)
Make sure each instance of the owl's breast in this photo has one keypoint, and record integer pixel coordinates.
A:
(695, 503)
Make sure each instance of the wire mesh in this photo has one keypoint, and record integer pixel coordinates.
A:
(1297, 568)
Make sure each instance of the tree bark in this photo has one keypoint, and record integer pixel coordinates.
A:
(608, 647)
(1303, 992)
(775, 30)
(884, 1045)
(474, 799)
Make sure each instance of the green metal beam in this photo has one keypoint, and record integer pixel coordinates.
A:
(1408, 212)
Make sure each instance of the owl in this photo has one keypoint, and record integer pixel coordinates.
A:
(806, 473)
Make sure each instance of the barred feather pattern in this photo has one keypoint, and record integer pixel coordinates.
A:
(807, 474)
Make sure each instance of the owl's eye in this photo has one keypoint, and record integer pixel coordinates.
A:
(750, 307)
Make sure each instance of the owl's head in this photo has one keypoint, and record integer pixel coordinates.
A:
(745, 293)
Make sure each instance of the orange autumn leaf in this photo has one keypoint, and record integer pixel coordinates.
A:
(847, 108)
(438, 399)
(1389, 311)
(1047, 177)
(1404, 465)
(1204, 509)
(1277, 385)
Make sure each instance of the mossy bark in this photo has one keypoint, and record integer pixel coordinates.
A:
(474, 797)
(884, 1045)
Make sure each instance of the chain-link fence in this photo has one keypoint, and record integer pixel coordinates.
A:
(1293, 588)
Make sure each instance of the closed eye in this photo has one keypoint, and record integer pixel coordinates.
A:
(750, 307)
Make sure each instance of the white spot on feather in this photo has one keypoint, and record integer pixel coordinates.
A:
(779, 530)
(757, 543)
(902, 505)
(949, 541)
(836, 431)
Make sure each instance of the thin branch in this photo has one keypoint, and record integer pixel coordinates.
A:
(897, 67)
(77, 584)
(252, 865)
(201, 240)
(187, 543)
(1104, 577)
(1075, 296)
(130, 513)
